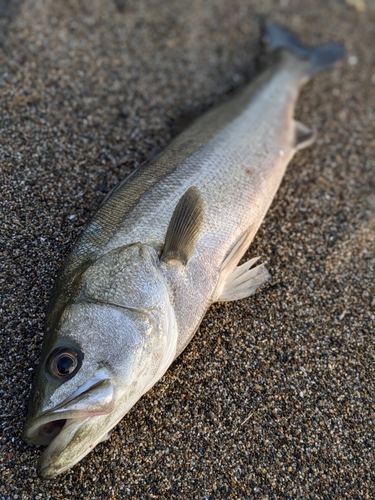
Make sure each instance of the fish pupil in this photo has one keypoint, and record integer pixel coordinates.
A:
(63, 362)
(65, 365)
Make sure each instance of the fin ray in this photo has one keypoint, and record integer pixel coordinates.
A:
(238, 282)
(184, 227)
(244, 285)
(320, 58)
(303, 135)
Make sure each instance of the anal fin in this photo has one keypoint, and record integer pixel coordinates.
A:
(303, 136)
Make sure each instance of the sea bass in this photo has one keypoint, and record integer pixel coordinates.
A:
(164, 245)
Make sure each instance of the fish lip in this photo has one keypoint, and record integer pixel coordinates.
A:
(93, 400)
(48, 472)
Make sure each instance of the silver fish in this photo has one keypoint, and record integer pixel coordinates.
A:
(164, 245)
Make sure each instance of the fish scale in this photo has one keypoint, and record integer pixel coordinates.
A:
(218, 169)
(163, 246)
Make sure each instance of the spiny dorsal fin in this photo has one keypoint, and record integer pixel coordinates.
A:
(303, 136)
(184, 227)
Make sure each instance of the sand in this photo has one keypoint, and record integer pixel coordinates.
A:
(274, 397)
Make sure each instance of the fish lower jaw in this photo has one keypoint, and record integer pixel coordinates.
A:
(58, 458)
(55, 459)
(48, 470)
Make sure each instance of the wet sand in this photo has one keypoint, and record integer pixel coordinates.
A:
(274, 397)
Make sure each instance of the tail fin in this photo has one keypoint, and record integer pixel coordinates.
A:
(321, 57)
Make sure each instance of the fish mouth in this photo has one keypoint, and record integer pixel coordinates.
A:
(49, 431)
(53, 460)
(71, 429)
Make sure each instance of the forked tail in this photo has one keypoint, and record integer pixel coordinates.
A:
(320, 58)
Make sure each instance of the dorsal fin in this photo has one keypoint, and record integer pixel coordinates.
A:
(184, 227)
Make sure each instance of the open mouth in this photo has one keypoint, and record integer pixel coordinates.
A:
(95, 399)
(67, 443)
(71, 429)
(49, 431)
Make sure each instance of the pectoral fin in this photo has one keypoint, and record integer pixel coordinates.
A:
(184, 227)
(303, 136)
(238, 282)
(243, 281)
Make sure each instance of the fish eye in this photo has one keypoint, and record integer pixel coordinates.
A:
(64, 362)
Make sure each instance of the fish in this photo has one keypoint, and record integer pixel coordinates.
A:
(165, 245)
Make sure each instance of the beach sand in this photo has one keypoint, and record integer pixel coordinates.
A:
(274, 397)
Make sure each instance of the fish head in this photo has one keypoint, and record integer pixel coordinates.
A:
(111, 344)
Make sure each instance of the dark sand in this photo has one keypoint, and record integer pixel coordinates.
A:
(274, 397)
